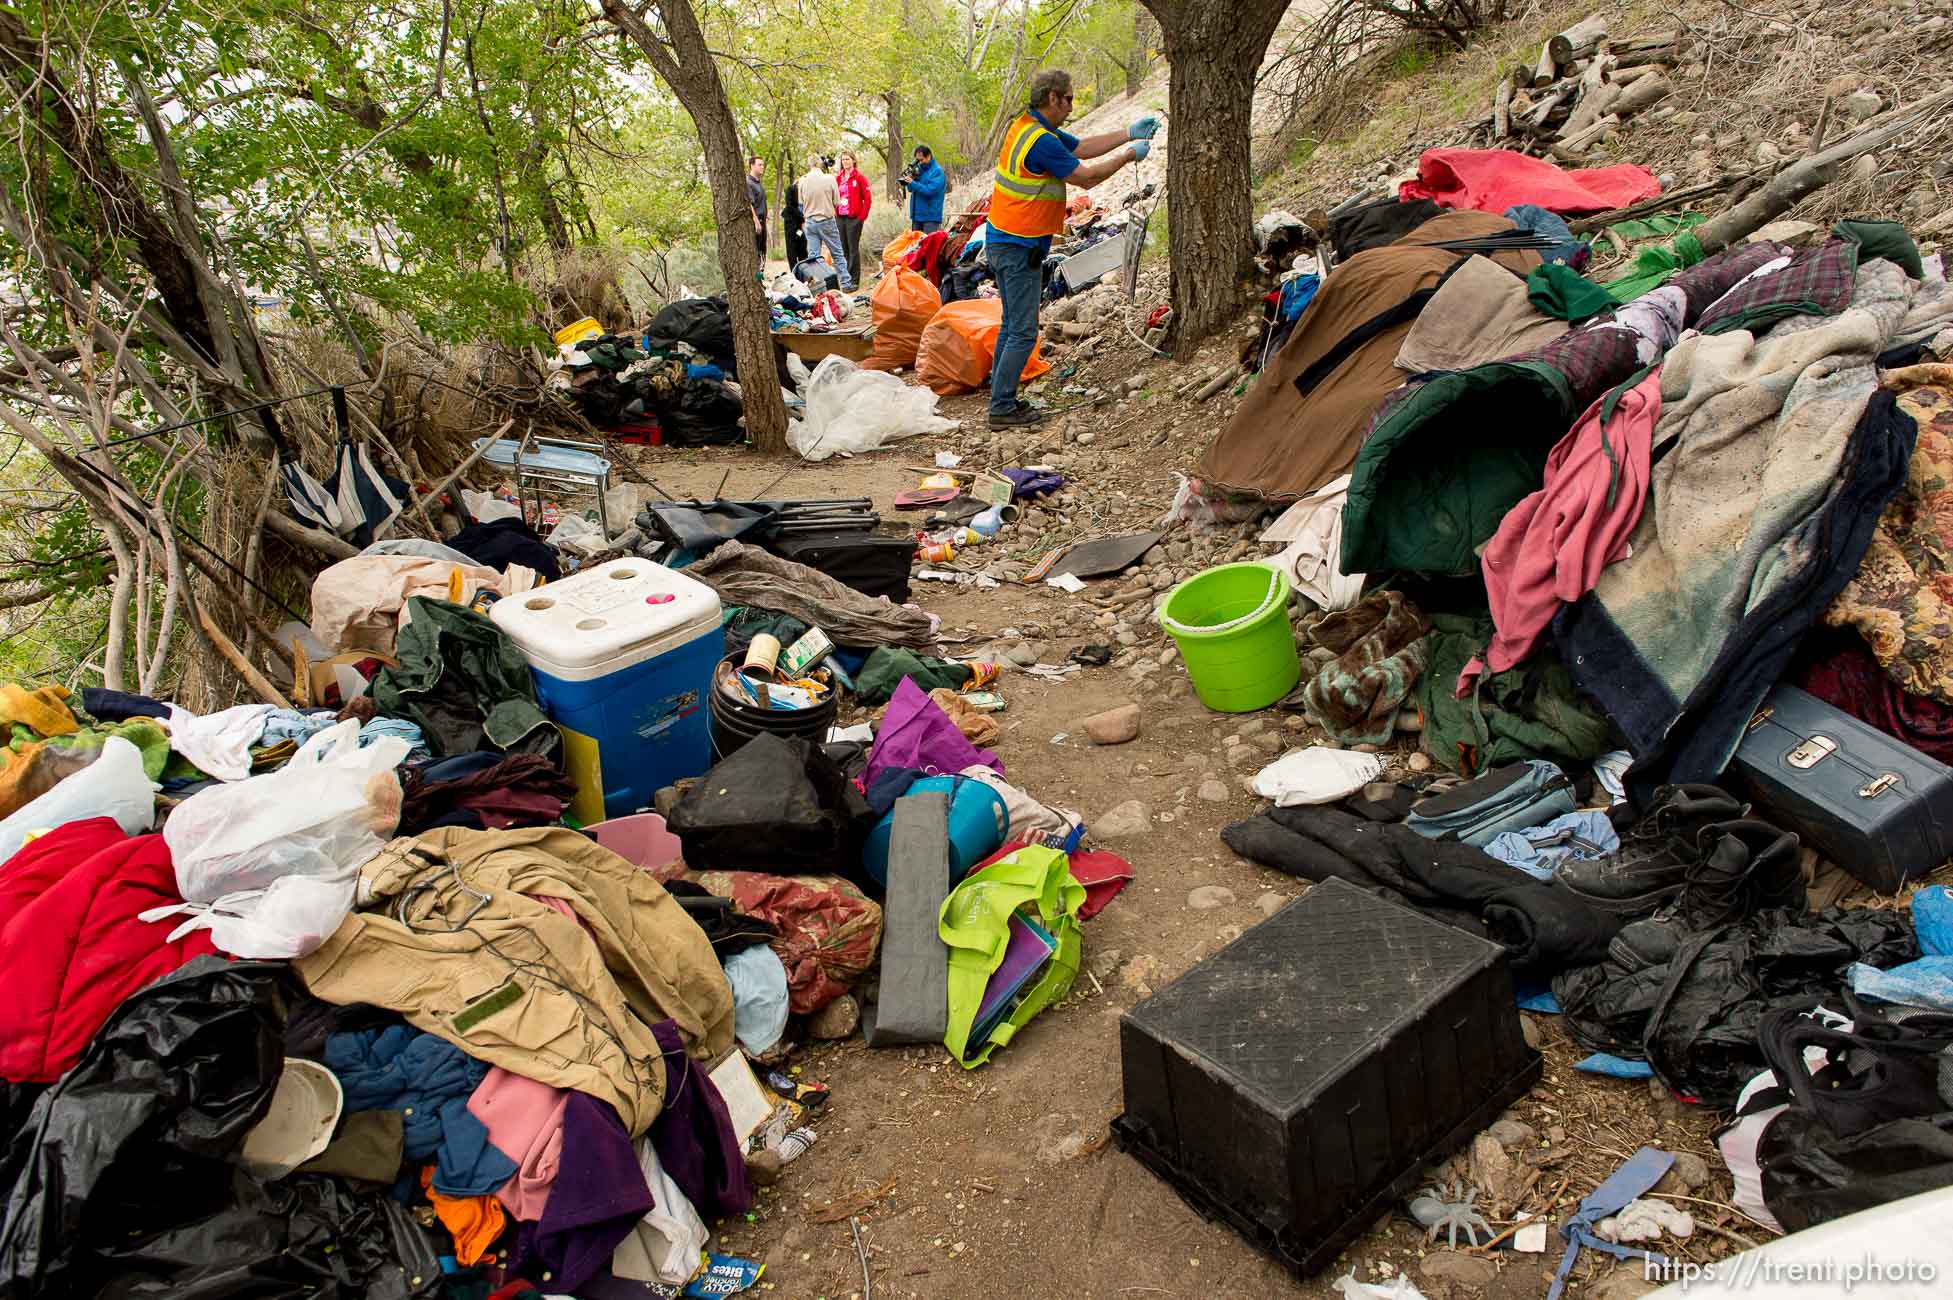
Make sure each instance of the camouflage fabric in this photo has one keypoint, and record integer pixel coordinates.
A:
(1379, 656)
(1901, 600)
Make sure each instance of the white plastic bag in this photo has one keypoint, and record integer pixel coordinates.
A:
(1320, 775)
(114, 785)
(290, 919)
(323, 815)
(852, 410)
(487, 507)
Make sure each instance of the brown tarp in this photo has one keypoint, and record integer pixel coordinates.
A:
(1281, 445)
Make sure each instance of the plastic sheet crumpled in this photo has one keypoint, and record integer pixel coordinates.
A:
(851, 410)
(119, 1180)
(1646, 1220)
(1927, 982)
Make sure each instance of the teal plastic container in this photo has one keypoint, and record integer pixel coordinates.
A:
(978, 818)
(1231, 624)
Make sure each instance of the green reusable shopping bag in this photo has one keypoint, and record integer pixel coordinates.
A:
(975, 923)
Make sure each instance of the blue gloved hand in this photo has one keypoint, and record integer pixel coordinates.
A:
(1144, 129)
(1140, 149)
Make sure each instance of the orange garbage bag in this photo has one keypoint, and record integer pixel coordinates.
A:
(898, 248)
(959, 344)
(902, 304)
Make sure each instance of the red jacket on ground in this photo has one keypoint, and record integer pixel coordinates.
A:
(70, 942)
(857, 195)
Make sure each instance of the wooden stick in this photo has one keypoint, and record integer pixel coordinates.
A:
(1545, 70)
(434, 493)
(1660, 203)
(1502, 111)
(235, 657)
(1823, 121)
(317, 539)
(1571, 148)
(1216, 384)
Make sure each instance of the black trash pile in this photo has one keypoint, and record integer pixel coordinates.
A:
(671, 385)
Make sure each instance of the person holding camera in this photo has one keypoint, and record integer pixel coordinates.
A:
(924, 180)
(1027, 207)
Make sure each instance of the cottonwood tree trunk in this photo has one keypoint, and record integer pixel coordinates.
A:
(1143, 28)
(1213, 50)
(898, 153)
(684, 63)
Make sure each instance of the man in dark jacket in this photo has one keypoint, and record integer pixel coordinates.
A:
(756, 195)
(925, 182)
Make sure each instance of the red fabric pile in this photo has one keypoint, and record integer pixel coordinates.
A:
(1492, 180)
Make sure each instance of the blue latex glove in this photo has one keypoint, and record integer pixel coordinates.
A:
(1140, 149)
(1144, 129)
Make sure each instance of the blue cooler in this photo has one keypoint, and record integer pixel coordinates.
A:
(623, 656)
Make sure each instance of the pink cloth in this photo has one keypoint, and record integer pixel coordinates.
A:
(524, 1119)
(1551, 547)
(1492, 180)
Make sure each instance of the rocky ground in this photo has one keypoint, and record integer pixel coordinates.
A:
(929, 1181)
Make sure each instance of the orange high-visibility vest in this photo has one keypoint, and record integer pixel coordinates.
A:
(1023, 202)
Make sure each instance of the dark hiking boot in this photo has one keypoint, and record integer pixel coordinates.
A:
(1655, 854)
(1746, 866)
(1021, 416)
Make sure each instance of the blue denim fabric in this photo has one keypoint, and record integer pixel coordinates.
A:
(826, 233)
(1020, 280)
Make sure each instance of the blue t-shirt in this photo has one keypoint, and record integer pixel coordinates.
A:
(1052, 156)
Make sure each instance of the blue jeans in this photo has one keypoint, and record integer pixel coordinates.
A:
(825, 232)
(1019, 269)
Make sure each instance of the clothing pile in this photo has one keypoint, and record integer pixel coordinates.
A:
(669, 385)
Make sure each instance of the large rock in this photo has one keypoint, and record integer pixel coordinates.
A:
(1205, 898)
(1472, 1271)
(1860, 105)
(1123, 821)
(1114, 726)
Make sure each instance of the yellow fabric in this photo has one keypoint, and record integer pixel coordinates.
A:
(1024, 202)
(475, 1222)
(43, 709)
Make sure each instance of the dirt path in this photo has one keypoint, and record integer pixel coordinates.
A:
(1000, 1180)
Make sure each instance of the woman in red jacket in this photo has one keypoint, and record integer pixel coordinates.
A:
(857, 196)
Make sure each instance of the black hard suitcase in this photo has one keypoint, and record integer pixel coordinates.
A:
(1867, 801)
(873, 564)
(1297, 1083)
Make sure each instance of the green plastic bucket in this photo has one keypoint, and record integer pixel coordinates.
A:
(1231, 624)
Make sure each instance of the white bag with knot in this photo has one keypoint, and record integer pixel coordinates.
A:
(320, 818)
(290, 919)
(852, 410)
(112, 786)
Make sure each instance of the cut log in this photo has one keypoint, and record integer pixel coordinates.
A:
(1645, 93)
(1790, 186)
(1590, 109)
(1535, 121)
(1628, 76)
(1579, 40)
(1667, 47)
(1574, 147)
(1545, 72)
(1502, 112)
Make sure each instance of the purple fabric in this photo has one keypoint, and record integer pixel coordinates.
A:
(598, 1197)
(1032, 482)
(915, 732)
(693, 1134)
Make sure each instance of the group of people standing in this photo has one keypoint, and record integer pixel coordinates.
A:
(825, 212)
(1028, 199)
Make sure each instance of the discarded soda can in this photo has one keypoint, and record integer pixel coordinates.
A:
(806, 652)
(985, 701)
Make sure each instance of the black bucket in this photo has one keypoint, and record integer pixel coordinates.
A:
(734, 722)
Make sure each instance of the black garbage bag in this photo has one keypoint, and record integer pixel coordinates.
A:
(777, 804)
(1811, 1175)
(705, 323)
(1695, 1019)
(120, 1183)
(701, 526)
(703, 413)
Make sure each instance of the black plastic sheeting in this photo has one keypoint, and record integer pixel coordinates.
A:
(119, 1180)
(1695, 1019)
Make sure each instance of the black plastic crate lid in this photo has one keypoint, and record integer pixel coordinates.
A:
(1293, 1002)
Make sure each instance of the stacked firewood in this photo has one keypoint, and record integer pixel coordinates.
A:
(1583, 85)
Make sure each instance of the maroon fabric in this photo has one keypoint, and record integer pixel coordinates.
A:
(1853, 680)
(71, 945)
(927, 259)
(521, 790)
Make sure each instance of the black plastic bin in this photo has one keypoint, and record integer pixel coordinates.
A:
(1297, 1083)
(735, 722)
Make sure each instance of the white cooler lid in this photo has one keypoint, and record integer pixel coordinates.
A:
(607, 617)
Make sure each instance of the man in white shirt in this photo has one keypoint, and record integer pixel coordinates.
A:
(818, 197)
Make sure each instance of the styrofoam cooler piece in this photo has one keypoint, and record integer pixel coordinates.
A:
(623, 654)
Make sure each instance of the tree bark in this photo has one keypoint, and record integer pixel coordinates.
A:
(1137, 58)
(898, 150)
(1579, 40)
(1213, 50)
(686, 66)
